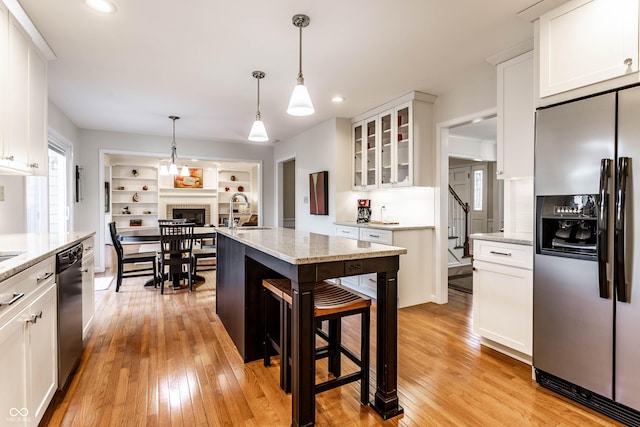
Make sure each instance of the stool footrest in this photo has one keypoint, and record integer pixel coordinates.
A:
(338, 382)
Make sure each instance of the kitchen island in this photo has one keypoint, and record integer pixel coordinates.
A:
(246, 256)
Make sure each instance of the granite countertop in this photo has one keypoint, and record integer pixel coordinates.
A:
(515, 238)
(384, 226)
(33, 248)
(303, 247)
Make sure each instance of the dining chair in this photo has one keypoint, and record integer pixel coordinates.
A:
(206, 251)
(133, 258)
(176, 251)
(172, 221)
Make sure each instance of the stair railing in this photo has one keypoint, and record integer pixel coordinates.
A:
(460, 222)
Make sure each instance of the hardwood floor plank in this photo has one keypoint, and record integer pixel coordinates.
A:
(166, 360)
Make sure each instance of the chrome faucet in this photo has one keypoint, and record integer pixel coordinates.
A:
(232, 223)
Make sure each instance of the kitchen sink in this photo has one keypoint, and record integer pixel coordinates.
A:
(4, 256)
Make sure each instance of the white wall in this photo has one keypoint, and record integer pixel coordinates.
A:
(475, 94)
(325, 147)
(90, 215)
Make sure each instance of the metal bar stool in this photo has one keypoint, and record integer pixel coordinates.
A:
(331, 303)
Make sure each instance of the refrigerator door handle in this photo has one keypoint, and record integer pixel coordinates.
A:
(603, 220)
(619, 278)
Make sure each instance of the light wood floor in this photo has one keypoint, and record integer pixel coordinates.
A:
(167, 360)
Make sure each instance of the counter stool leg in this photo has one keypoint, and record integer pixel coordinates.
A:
(364, 356)
(335, 336)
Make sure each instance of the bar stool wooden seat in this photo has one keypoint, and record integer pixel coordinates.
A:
(331, 303)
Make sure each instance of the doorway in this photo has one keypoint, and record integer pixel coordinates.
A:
(286, 190)
(466, 161)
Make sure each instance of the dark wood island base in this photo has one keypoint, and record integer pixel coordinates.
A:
(245, 257)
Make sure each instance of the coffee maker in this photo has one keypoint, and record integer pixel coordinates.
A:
(364, 210)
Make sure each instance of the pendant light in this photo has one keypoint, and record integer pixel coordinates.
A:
(258, 132)
(300, 102)
(172, 168)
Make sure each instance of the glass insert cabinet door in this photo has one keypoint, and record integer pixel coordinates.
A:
(403, 155)
(358, 180)
(386, 150)
(365, 154)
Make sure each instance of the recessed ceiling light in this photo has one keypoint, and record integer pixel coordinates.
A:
(478, 160)
(102, 6)
(478, 120)
(338, 99)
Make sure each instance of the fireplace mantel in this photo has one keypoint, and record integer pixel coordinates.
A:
(188, 192)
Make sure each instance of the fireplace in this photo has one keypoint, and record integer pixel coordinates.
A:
(197, 216)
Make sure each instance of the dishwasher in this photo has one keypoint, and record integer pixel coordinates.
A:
(69, 279)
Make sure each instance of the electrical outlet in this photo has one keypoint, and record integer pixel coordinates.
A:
(1, 193)
(306, 200)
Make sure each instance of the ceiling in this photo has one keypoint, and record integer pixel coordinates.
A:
(129, 71)
(483, 130)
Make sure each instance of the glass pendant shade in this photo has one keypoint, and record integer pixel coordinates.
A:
(164, 170)
(300, 102)
(173, 169)
(184, 171)
(258, 132)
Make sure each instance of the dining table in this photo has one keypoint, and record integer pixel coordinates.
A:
(152, 235)
(246, 257)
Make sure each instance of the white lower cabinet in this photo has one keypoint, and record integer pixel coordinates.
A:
(29, 343)
(414, 286)
(503, 297)
(42, 349)
(13, 359)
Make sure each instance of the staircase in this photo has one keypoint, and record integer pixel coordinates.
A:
(458, 230)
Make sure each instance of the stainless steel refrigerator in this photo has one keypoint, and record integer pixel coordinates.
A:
(586, 343)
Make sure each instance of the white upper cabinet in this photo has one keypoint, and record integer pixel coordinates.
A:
(587, 41)
(38, 146)
(365, 153)
(392, 144)
(23, 100)
(515, 118)
(16, 103)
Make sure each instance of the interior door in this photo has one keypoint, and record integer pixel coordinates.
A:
(459, 181)
(479, 201)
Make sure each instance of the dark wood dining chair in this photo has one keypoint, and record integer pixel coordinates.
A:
(176, 251)
(206, 251)
(133, 258)
(172, 221)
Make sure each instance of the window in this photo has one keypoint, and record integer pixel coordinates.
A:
(58, 212)
(477, 190)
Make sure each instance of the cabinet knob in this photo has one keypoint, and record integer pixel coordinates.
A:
(34, 165)
(628, 62)
(499, 172)
(10, 158)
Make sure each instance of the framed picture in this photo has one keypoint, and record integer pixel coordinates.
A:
(194, 180)
(319, 193)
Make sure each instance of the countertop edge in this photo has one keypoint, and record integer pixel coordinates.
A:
(393, 250)
(500, 237)
(22, 264)
(392, 227)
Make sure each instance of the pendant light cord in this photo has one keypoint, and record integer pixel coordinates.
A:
(300, 77)
(258, 112)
